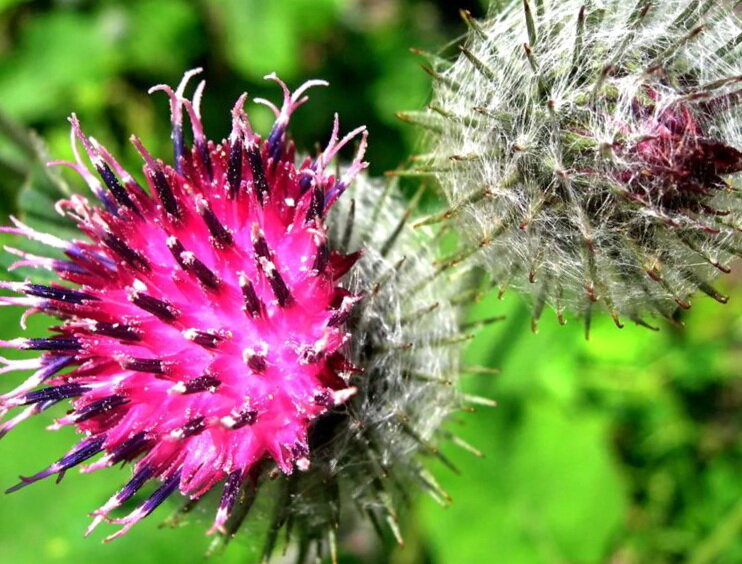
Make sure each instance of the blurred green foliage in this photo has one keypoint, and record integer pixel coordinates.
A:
(622, 449)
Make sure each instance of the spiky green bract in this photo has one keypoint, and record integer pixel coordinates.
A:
(589, 150)
(369, 454)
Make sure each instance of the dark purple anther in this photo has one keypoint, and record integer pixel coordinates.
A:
(190, 263)
(165, 192)
(80, 453)
(299, 450)
(95, 261)
(158, 308)
(311, 356)
(256, 363)
(322, 258)
(53, 364)
(203, 152)
(58, 294)
(55, 393)
(316, 205)
(150, 365)
(280, 289)
(134, 485)
(109, 204)
(234, 168)
(99, 407)
(261, 247)
(245, 417)
(132, 447)
(231, 491)
(67, 266)
(200, 384)
(131, 257)
(176, 135)
(305, 183)
(207, 339)
(276, 141)
(258, 173)
(253, 305)
(204, 274)
(161, 494)
(176, 249)
(277, 283)
(119, 192)
(324, 398)
(334, 193)
(119, 331)
(52, 344)
(193, 427)
(221, 235)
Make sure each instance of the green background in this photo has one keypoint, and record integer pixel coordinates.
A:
(622, 449)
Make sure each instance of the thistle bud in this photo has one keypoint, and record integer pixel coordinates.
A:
(590, 150)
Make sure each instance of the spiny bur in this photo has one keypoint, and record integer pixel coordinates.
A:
(589, 151)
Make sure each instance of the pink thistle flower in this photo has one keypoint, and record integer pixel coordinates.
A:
(205, 330)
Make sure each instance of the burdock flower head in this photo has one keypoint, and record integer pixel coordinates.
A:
(211, 333)
(589, 150)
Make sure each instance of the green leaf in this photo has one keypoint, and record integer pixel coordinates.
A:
(264, 37)
(153, 28)
(59, 55)
(546, 491)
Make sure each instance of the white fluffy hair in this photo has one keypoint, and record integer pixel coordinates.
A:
(534, 130)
